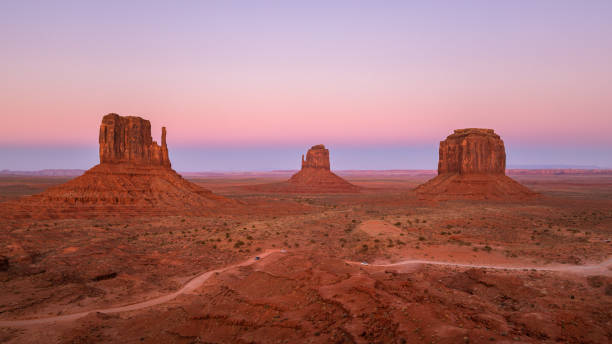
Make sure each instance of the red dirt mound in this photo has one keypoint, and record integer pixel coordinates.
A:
(472, 166)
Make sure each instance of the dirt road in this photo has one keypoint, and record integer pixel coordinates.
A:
(603, 268)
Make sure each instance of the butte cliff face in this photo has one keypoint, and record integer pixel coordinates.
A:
(472, 165)
(134, 178)
(316, 176)
(316, 157)
(128, 140)
(472, 151)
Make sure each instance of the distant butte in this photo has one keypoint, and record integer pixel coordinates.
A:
(472, 165)
(134, 177)
(316, 176)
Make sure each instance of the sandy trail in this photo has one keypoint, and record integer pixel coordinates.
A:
(187, 288)
(604, 268)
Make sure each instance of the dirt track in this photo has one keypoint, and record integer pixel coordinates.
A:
(603, 268)
(188, 287)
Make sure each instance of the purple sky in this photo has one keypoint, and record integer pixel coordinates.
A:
(251, 85)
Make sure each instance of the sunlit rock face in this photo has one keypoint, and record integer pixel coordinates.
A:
(316, 157)
(472, 166)
(472, 151)
(127, 139)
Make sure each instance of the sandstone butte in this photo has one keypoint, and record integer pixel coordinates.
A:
(316, 176)
(134, 177)
(472, 166)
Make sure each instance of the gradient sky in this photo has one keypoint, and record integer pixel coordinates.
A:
(247, 85)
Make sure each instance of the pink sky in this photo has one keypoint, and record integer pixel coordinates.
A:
(352, 73)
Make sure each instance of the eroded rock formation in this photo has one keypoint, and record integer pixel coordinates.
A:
(472, 151)
(316, 157)
(134, 177)
(128, 140)
(472, 165)
(316, 176)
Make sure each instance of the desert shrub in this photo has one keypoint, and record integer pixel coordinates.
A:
(238, 243)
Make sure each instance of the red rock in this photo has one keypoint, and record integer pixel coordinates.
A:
(134, 178)
(472, 165)
(472, 151)
(316, 157)
(316, 176)
(128, 140)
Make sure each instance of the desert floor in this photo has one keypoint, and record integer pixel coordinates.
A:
(451, 272)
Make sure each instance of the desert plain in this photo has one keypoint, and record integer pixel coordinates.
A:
(380, 265)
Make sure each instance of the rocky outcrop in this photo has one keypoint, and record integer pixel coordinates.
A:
(472, 151)
(316, 176)
(128, 140)
(472, 165)
(134, 178)
(316, 157)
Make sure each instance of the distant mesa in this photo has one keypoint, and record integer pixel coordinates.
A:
(134, 177)
(314, 177)
(472, 165)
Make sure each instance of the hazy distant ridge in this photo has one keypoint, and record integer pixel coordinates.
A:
(45, 173)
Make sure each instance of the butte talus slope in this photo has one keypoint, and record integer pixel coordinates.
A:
(472, 166)
(134, 177)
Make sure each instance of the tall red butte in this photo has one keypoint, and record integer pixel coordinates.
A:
(316, 176)
(134, 177)
(472, 165)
